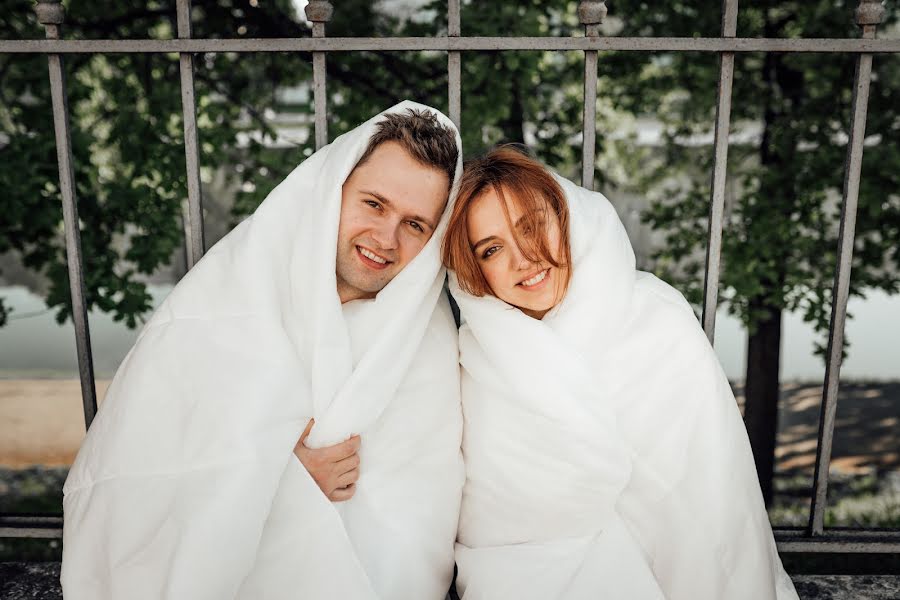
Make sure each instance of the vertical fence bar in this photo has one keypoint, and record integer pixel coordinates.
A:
(51, 14)
(868, 15)
(720, 169)
(454, 65)
(195, 242)
(591, 14)
(319, 12)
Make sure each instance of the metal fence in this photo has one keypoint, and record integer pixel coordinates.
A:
(814, 537)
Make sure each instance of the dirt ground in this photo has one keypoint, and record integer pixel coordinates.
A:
(41, 423)
(866, 432)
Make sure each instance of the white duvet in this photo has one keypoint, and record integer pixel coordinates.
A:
(187, 486)
(605, 453)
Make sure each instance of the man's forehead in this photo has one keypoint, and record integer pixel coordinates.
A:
(401, 179)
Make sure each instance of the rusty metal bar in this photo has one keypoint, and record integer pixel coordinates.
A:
(51, 14)
(720, 169)
(16, 526)
(838, 541)
(868, 15)
(454, 65)
(343, 44)
(319, 12)
(591, 14)
(195, 244)
(788, 540)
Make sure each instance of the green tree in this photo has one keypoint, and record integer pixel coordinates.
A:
(127, 139)
(126, 123)
(780, 233)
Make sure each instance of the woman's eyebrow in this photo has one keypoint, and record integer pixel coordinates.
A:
(484, 241)
(536, 212)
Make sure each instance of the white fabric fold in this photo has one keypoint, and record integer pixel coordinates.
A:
(605, 453)
(186, 485)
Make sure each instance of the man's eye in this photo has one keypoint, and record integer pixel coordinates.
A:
(415, 225)
(372, 203)
(489, 252)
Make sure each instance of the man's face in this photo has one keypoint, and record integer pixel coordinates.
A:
(390, 206)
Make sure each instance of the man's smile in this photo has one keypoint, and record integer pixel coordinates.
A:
(371, 259)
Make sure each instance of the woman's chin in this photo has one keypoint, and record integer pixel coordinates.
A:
(535, 310)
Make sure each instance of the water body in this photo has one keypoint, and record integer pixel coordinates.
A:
(33, 345)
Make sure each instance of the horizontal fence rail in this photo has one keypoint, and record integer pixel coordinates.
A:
(815, 537)
(451, 44)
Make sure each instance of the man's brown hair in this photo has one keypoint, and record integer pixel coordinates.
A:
(421, 134)
(517, 179)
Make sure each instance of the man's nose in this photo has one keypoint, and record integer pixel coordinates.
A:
(386, 235)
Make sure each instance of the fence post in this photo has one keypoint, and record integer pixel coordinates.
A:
(195, 245)
(51, 14)
(720, 169)
(454, 66)
(868, 15)
(591, 14)
(319, 12)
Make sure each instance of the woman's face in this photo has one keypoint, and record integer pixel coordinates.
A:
(533, 287)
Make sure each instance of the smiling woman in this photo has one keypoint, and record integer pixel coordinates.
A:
(604, 450)
(509, 232)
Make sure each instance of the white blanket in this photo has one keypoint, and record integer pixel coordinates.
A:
(187, 486)
(605, 453)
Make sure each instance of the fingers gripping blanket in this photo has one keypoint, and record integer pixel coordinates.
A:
(605, 454)
(187, 485)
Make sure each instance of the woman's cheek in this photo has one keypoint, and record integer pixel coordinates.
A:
(495, 280)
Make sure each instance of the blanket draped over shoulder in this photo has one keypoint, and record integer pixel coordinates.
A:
(187, 486)
(605, 453)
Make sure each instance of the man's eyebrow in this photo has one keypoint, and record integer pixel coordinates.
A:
(381, 198)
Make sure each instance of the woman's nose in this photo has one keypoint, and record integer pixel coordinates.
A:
(518, 261)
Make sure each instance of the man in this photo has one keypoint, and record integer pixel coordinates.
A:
(321, 317)
(390, 207)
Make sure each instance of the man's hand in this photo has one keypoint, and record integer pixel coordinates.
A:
(335, 469)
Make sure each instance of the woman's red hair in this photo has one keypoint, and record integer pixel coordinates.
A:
(518, 179)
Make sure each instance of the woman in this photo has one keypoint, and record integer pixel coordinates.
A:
(605, 454)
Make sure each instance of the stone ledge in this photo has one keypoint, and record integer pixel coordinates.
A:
(40, 581)
(30, 581)
(847, 587)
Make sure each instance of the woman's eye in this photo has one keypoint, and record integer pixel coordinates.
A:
(487, 253)
(538, 225)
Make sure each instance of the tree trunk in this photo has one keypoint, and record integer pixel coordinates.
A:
(784, 89)
(761, 394)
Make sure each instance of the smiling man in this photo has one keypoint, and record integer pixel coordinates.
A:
(392, 202)
(322, 318)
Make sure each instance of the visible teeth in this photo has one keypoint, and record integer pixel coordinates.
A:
(536, 279)
(371, 255)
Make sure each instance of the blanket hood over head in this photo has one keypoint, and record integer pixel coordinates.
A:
(604, 449)
(188, 466)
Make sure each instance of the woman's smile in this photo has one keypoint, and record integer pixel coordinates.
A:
(535, 281)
